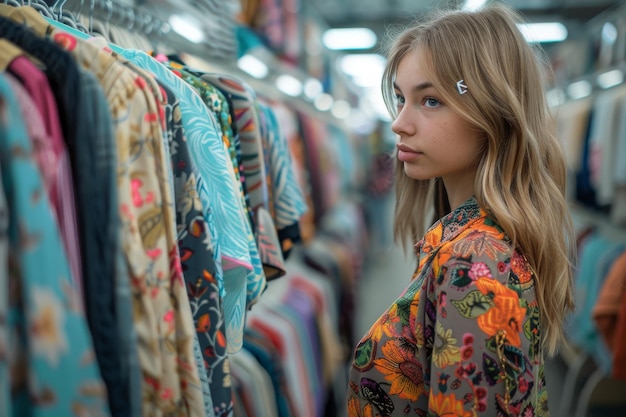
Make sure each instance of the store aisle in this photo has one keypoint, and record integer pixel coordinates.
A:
(387, 272)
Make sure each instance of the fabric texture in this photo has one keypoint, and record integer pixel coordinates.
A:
(54, 367)
(464, 337)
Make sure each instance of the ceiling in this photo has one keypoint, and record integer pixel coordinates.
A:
(379, 15)
(373, 13)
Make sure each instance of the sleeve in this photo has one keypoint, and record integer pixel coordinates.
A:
(483, 335)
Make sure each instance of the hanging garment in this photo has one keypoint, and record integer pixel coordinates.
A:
(256, 383)
(53, 363)
(199, 268)
(256, 279)
(217, 190)
(55, 165)
(74, 91)
(288, 200)
(257, 179)
(150, 245)
(606, 312)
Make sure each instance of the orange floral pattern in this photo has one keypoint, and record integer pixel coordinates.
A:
(402, 370)
(463, 339)
(446, 405)
(506, 314)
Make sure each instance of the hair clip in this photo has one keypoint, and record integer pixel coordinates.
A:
(462, 88)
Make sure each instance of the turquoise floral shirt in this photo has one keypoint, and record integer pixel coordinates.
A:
(464, 337)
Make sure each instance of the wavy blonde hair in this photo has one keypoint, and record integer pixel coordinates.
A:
(521, 176)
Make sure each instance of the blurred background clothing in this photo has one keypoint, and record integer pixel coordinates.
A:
(197, 201)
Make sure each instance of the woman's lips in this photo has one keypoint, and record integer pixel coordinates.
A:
(406, 154)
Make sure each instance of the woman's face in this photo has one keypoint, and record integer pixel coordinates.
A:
(433, 140)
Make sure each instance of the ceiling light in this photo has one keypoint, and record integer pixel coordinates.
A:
(555, 97)
(543, 32)
(323, 102)
(473, 5)
(609, 33)
(313, 87)
(579, 89)
(349, 38)
(366, 70)
(187, 27)
(253, 66)
(289, 85)
(374, 97)
(610, 78)
(341, 109)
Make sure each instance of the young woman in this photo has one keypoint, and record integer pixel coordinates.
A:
(476, 143)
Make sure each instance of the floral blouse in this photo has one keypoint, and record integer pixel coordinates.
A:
(463, 339)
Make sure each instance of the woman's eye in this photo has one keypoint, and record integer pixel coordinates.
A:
(431, 102)
(399, 100)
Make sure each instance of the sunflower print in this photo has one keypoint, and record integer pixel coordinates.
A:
(462, 338)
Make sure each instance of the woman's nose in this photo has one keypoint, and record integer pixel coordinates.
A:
(403, 124)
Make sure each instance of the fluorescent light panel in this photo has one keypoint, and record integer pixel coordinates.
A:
(323, 102)
(610, 78)
(473, 5)
(253, 66)
(579, 89)
(187, 27)
(366, 70)
(289, 85)
(349, 38)
(341, 109)
(313, 87)
(543, 32)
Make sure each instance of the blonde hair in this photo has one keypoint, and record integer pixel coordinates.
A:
(521, 176)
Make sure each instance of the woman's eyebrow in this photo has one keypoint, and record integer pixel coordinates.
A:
(417, 88)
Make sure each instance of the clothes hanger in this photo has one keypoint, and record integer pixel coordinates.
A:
(78, 17)
(146, 30)
(140, 31)
(41, 7)
(114, 29)
(125, 30)
(97, 27)
(13, 3)
(64, 16)
(67, 17)
(28, 16)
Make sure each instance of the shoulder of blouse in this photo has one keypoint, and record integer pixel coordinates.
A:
(484, 249)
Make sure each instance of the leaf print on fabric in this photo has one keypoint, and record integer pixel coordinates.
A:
(459, 272)
(386, 324)
(364, 354)
(446, 405)
(354, 409)
(151, 226)
(491, 370)
(196, 227)
(515, 361)
(187, 199)
(542, 407)
(403, 370)
(48, 321)
(481, 242)
(373, 392)
(506, 314)
(531, 331)
(445, 351)
(474, 304)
